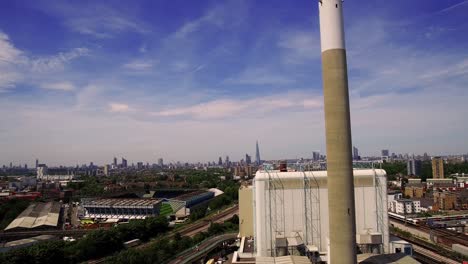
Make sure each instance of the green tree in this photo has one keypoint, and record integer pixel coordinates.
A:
(10, 210)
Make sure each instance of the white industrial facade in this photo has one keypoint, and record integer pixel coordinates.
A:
(291, 208)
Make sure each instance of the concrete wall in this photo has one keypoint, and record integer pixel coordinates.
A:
(246, 213)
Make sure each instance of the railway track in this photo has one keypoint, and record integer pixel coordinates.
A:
(189, 230)
(201, 250)
(447, 237)
(23, 234)
(201, 226)
(429, 256)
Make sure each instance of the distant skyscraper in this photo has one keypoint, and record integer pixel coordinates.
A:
(139, 165)
(425, 156)
(355, 153)
(315, 156)
(25, 166)
(414, 167)
(115, 162)
(124, 163)
(11, 165)
(220, 161)
(385, 152)
(37, 163)
(257, 154)
(41, 171)
(248, 159)
(160, 162)
(437, 168)
(106, 169)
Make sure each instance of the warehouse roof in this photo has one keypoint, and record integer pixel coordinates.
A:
(37, 215)
(116, 202)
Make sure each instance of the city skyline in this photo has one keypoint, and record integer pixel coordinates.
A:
(146, 80)
(314, 156)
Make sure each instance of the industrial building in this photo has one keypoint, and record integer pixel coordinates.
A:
(121, 208)
(290, 212)
(140, 208)
(37, 216)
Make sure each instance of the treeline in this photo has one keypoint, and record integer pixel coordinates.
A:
(231, 195)
(89, 187)
(95, 244)
(395, 168)
(203, 179)
(165, 249)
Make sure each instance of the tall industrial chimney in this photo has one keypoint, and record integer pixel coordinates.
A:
(342, 221)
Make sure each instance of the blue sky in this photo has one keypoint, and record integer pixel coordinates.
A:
(83, 81)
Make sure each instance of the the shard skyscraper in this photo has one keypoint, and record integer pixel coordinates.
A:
(257, 154)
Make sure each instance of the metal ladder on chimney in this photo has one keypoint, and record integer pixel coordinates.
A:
(311, 208)
(276, 209)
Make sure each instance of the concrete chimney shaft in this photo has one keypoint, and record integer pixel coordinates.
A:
(342, 220)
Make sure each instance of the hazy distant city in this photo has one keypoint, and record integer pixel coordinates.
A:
(233, 132)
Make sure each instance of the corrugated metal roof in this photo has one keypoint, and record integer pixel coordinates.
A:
(116, 202)
(36, 215)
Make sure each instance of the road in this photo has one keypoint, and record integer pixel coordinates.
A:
(24, 234)
(202, 249)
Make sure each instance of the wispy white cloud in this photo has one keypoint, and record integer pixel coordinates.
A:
(300, 46)
(143, 48)
(213, 17)
(8, 52)
(97, 20)
(452, 7)
(118, 108)
(8, 80)
(104, 25)
(59, 86)
(380, 66)
(229, 108)
(17, 66)
(180, 66)
(139, 65)
(222, 15)
(57, 62)
(10, 58)
(260, 76)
